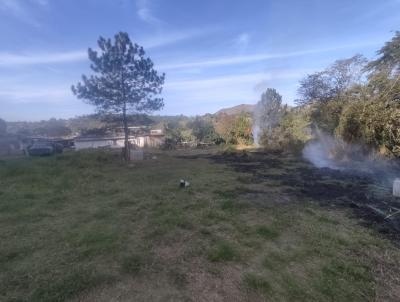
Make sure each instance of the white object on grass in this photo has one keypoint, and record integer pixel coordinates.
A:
(396, 187)
(136, 154)
(184, 183)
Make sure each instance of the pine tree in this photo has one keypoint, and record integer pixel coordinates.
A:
(124, 81)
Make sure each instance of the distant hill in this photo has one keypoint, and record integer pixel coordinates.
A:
(243, 108)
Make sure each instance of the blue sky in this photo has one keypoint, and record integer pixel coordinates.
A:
(215, 53)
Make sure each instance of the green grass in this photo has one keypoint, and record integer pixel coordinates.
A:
(257, 283)
(133, 264)
(86, 226)
(267, 232)
(223, 251)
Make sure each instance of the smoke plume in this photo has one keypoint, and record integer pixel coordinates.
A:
(326, 151)
(256, 132)
(267, 113)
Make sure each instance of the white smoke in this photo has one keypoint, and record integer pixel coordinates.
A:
(256, 132)
(319, 152)
(267, 114)
(326, 151)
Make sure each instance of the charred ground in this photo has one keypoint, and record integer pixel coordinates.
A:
(368, 194)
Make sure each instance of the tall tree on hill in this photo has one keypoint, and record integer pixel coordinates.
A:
(389, 57)
(331, 83)
(327, 91)
(124, 81)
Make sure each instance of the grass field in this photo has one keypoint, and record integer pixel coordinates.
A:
(87, 227)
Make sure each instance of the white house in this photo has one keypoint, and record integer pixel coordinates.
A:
(152, 139)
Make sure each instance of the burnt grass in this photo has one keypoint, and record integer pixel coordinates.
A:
(367, 194)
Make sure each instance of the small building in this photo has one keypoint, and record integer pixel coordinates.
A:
(142, 139)
(94, 142)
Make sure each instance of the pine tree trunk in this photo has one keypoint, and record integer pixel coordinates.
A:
(126, 132)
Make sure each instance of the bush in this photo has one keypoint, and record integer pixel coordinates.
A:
(327, 115)
(292, 132)
(234, 129)
(373, 123)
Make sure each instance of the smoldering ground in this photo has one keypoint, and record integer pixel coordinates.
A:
(297, 180)
(326, 151)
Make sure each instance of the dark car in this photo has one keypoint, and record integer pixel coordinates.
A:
(43, 149)
(58, 147)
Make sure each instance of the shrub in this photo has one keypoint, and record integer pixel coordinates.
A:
(374, 123)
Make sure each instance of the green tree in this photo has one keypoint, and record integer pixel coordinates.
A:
(173, 134)
(389, 57)
(52, 128)
(327, 91)
(372, 115)
(242, 130)
(331, 83)
(223, 124)
(203, 130)
(125, 81)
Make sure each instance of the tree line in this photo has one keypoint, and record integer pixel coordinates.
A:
(353, 99)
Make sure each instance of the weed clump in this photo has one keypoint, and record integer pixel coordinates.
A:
(257, 283)
(267, 232)
(223, 251)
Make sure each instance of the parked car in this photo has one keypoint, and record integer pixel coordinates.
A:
(44, 149)
(58, 147)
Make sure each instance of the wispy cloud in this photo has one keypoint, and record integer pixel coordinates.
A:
(145, 13)
(9, 59)
(251, 58)
(41, 2)
(20, 59)
(381, 8)
(25, 94)
(228, 88)
(242, 41)
(216, 81)
(22, 9)
(231, 60)
(229, 80)
(176, 36)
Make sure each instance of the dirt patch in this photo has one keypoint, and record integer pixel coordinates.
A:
(387, 276)
(200, 285)
(223, 285)
(154, 287)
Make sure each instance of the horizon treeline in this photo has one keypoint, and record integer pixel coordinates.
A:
(353, 99)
